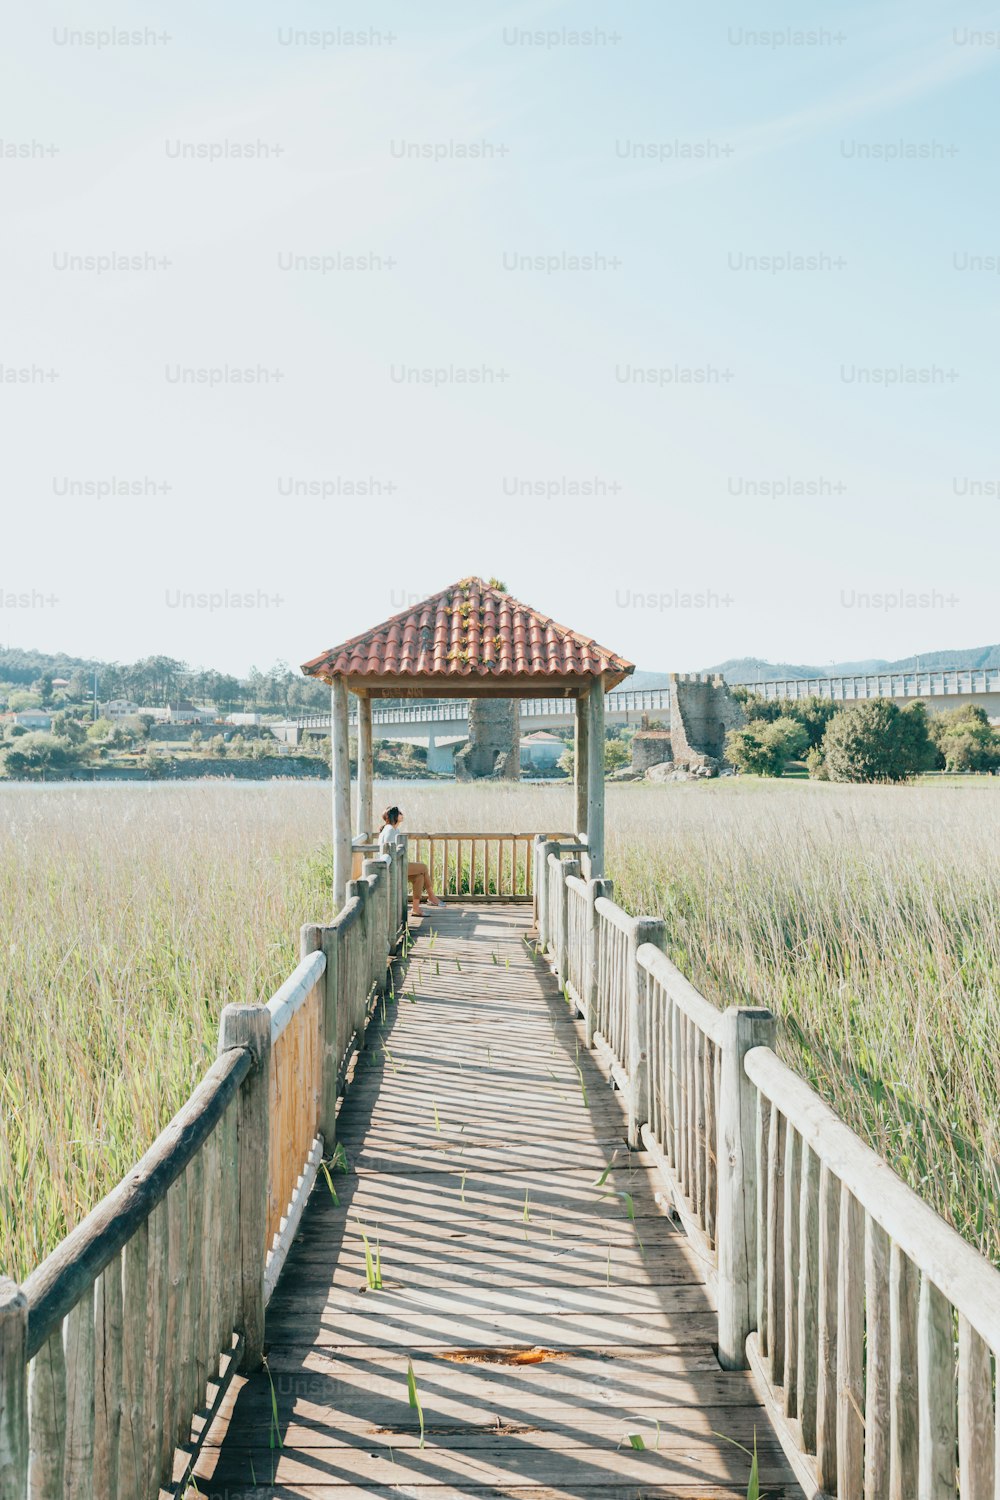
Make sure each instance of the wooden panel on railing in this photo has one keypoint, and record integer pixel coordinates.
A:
(295, 1089)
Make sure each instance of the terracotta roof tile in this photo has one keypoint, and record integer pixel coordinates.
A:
(468, 630)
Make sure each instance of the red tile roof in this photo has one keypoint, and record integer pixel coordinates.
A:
(469, 631)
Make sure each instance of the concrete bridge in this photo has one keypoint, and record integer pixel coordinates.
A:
(442, 726)
(946, 689)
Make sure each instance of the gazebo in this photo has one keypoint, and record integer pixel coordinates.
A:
(472, 639)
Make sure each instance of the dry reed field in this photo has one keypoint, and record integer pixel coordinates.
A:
(867, 917)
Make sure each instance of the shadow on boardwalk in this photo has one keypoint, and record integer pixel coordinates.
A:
(551, 1312)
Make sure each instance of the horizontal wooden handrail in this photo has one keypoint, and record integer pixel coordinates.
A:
(348, 914)
(295, 991)
(959, 1272)
(681, 991)
(614, 914)
(57, 1285)
(526, 833)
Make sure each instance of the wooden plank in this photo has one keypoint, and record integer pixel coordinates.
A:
(904, 1292)
(370, 1391)
(14, 1389)
(696, 1490)
(877, 1362)
(826, 1363)
(155, 1342)
(763, 1143)
(109, 1377)
(465, 1425)
(248, 1027)
(743, 1030)
(132, 1434)
(936, 1394)
(976, 1426)
(808, 1296)
(596, 1463)
(47, 1406)
(850, 1349)
(182, 1356)
(501, 1330)
(176, 1206)
(79, 1417)
(316, 1295)
(791, 1214)
(711, 1129)
(775, 1247)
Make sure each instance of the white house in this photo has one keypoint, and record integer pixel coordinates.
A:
(118, 708)
(30, 718)
(541, 750)
(185, 712)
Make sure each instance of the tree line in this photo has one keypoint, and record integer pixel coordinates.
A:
(873, 740)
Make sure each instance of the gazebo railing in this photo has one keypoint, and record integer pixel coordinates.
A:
(473, 867)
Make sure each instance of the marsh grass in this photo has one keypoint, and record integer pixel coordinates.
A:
(129, 916)
(866, 917)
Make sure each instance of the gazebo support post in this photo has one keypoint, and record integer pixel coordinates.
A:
(365, 824)
(341, 758)
(581, 729)
(595, 778)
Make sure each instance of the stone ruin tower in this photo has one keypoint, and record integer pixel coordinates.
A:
(702, 711)
(494, 745)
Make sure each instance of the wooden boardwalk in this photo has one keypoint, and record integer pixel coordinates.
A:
(550, 1318)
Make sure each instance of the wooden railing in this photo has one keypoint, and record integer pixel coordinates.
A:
(136, 1323)
(479, 866)
(870, 1325)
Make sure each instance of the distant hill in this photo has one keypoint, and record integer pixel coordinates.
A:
(752, 669)
(18, 664)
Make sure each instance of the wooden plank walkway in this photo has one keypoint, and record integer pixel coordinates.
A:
(547, 1317)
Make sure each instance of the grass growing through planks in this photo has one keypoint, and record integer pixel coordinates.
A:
(753, 1486)
(373, 1264)
(414, 1397)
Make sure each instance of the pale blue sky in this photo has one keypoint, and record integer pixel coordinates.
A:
(907, 476)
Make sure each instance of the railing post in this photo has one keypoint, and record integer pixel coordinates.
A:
(313, 938)
(567, 868)
(644, 930)
(736, 1154)
(13, 1391)
(403, 854)
(377, 871)
(595, 889)
(545, 848)
(362, 890)
(250, 1026)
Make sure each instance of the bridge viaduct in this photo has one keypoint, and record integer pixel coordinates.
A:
(442, 725)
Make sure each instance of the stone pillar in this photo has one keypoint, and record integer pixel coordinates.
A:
(494, 747)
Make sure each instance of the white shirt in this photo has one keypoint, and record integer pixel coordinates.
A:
(387, 838)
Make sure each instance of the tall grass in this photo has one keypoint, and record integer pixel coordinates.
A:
(868, 918)
(129, 915)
